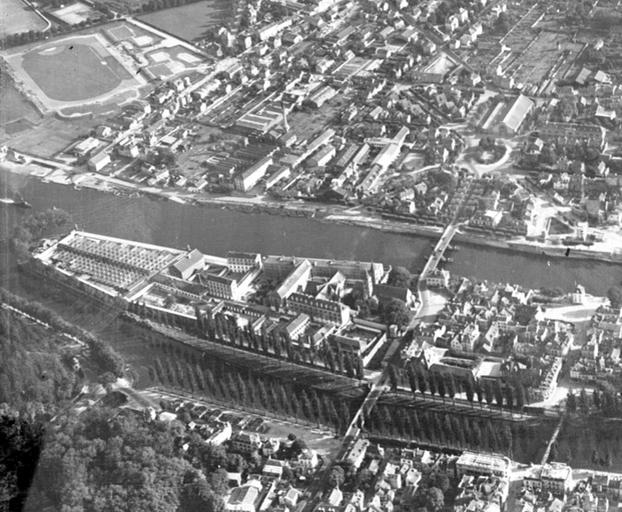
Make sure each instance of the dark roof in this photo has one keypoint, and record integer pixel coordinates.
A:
(218, 279)
(385, 291)
(242, 255)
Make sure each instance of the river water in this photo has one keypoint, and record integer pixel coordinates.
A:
(216, 231)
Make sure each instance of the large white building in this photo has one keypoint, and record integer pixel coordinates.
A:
(273, 29)
(243, 261)
(554, 477)
(357, 453)
(221, 286)
(472, 463)
(517, 113)
(244, 498)
(329, 311)
(247, 179)
(295, 280)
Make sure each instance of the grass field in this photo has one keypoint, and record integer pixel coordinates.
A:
(52, 135)
(188, 21)
(13, 106)
(73, 72)
(17, 17)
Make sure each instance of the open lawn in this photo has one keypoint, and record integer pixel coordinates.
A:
(188, 21)
(17, 17)
(51, 135)
(543, 54)
(13, 106)
(73, 71)
(313, 121)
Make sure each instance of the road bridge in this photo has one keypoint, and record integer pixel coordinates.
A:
(439, 249)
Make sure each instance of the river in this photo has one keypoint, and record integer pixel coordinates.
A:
(216, 231)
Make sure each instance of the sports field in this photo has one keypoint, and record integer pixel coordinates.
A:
(75, 13)
(74, 71)
(78, 72)
(16, 17)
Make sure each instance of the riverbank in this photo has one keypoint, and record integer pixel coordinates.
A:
(539, 248)
(356, 216)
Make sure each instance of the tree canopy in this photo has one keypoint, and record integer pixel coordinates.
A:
(103, 460)
(614, 294)
(395, 312)
(34, 227)
(400, 276)
(32, 363)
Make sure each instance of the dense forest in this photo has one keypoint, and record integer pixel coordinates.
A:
(35, 365)
(104, 459)
(101, 355)
(34, 227)
(36, 378)
(53, 458)
(40, 373)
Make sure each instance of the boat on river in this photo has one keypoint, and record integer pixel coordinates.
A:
(17, 201)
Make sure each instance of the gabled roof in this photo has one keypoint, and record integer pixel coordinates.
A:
(188, 261)
(517, 112)
(245, 495)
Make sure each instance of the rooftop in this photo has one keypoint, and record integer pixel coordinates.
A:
(483, 461)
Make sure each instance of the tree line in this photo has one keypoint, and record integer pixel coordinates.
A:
(224, 329)
(157, 5)
(605, 400)
(213, 378)
(60, 28)
(277, 343)
(509, 394)
(455, 430)
(104, 16)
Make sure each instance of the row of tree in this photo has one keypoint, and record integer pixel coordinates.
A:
(277, 343)
(442, 428)
(225, 383)
(605, 399)
(56, 29)
(157, 5)
(104, 15)
(445, 385)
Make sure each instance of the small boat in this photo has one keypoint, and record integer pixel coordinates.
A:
(17, 201)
